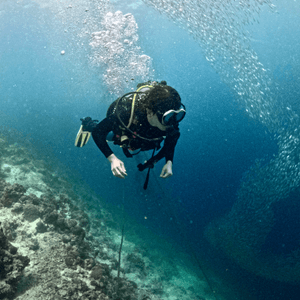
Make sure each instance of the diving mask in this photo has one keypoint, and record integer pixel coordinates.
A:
(172, 117)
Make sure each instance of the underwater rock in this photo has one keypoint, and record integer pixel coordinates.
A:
(51, 218)
(101, 278)
(47, 207)
(3, 184)
(89, 263)
(30, 199)
(20, 161)
(78, 289)
(61, 223)
(31, 213)
(34, 245)
(41, 228)
(97, 272)
(11, 267)
(77, 230)
(122, 289)
(134, 263)
(34, 199)
(114, 288)
(66, 238)
(17, 208)
(70, 263)
(71, 223)
(83, 219)
(84, 247)
(72, 258)
(9, 229)
(11, 194)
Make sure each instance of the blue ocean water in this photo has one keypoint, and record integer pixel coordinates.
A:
(44, 94)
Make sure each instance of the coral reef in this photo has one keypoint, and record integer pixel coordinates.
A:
(65, 268)
(11, 194)
(11, 267)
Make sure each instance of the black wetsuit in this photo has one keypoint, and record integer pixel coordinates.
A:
(142, 127)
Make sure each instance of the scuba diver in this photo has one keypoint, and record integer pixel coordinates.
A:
(138, 121)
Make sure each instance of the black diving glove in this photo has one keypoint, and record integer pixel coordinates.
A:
(88, 124)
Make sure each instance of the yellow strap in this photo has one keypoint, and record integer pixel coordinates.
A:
(133, 104)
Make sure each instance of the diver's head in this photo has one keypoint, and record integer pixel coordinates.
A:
(165, 102)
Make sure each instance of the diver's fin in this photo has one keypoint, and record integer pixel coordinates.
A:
(82, 137)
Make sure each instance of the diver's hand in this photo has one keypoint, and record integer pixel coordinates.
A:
(117, 166)
(167, 170)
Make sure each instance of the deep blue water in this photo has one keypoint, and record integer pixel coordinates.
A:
(44, 94)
